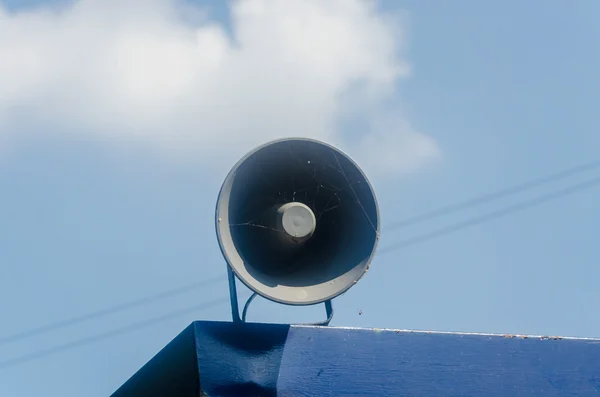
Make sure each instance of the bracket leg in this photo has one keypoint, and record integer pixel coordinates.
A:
(235, 309)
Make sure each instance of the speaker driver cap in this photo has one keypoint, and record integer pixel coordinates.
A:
(297, 221)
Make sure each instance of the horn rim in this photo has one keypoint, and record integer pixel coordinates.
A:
(225, 251)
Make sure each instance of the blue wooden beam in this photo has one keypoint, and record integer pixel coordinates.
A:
(222, 359)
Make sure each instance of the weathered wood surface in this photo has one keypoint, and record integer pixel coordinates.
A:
(223, 359)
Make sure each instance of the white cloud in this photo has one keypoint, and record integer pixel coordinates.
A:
(145, 72)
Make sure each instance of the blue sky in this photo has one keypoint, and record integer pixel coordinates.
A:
(97, 211)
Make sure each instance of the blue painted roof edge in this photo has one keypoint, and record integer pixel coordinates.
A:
(281, 360)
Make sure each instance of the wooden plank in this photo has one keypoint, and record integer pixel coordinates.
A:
(360, 362)
(280, 360)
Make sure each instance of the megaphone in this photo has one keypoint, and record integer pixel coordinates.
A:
(297, 222)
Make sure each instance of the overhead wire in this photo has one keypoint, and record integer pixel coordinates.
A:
(406, 222)
(108, 311)
(109, 334)
(521, 206)
(496, 195)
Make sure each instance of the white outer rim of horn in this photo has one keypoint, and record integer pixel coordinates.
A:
(221, 220)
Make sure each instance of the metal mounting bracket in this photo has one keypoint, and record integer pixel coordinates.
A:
(235, 309)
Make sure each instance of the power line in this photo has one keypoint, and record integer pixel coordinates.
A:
(406, 222)
(109, 334)
(492, 215)
(415, 240)
(108, 311)
(486, 198)
(419, 239)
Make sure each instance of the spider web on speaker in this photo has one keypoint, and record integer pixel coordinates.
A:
(319, 190)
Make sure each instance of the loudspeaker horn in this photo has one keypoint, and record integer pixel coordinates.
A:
(297, 221)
